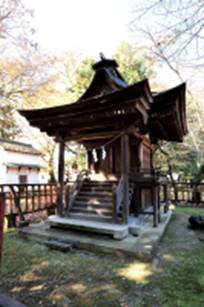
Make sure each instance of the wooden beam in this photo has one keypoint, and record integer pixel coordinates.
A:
(143, 139)
(99, 109)
(60, 178)
(91, 131)
(129, 93)
(104, 118)
(95, 143)
(140, 108)
(93, 136)
(123, 121)
(87, 128)
(124, 172)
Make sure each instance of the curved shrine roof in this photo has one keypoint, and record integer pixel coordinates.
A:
(107, 79)
(168, 115)
(110, 105)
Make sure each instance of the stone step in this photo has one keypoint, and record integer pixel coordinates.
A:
(88, 210)
(56, 245)
(90, 217)
(119, 231)
(88, 203)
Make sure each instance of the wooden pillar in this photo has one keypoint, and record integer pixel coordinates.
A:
(60, 178)
(159, 204)
(137, 200)
(125, 173)
(90, 162)
(114, 203)
(99, 157)
(2, 209)
(165, 187)
(155, 205)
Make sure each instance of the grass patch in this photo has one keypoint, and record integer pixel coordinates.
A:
(37, 276)
(189, 210)
(178, 283)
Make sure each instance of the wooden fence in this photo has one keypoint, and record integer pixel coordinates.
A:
(22, 199)
(187, 193)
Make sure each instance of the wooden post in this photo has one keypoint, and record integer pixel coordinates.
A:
(17, 201)
(2, 209)
(155, 205)
(159, 203)
(33, 198)
(60, 178)
(125, 174)
(114, 203)
(90, 163)
(165, 187)
(67, 199)
(137, 201)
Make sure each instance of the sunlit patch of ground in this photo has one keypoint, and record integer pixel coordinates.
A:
(172, 207)
(138, 272)
(169, 257)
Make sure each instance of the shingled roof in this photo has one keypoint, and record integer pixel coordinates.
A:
(18, 147)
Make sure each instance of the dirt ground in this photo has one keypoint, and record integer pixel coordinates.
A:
(181, 235)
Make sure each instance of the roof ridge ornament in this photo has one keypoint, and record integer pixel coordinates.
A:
(102, 56)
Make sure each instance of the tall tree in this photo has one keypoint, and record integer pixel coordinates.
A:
(174, 28)
(134, 64)
(83, 76)
(23, 68)
(172, 32)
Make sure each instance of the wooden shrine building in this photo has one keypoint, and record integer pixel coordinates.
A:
(118, 124)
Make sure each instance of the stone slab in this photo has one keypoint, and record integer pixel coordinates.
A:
(119, 232)
(7, 301)
(56, 245)
(141, 247)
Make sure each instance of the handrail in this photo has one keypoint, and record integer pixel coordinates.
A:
(72, 191)
(119, 194)
(153, 173)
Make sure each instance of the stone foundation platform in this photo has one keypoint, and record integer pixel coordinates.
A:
(141, 247)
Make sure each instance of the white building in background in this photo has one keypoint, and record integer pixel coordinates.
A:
(19, 163)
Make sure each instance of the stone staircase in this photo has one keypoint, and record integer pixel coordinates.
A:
(94, 202)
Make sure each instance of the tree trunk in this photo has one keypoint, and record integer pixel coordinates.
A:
(196, 195)
(173, 182)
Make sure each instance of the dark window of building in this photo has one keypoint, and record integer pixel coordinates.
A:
(23, 179)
